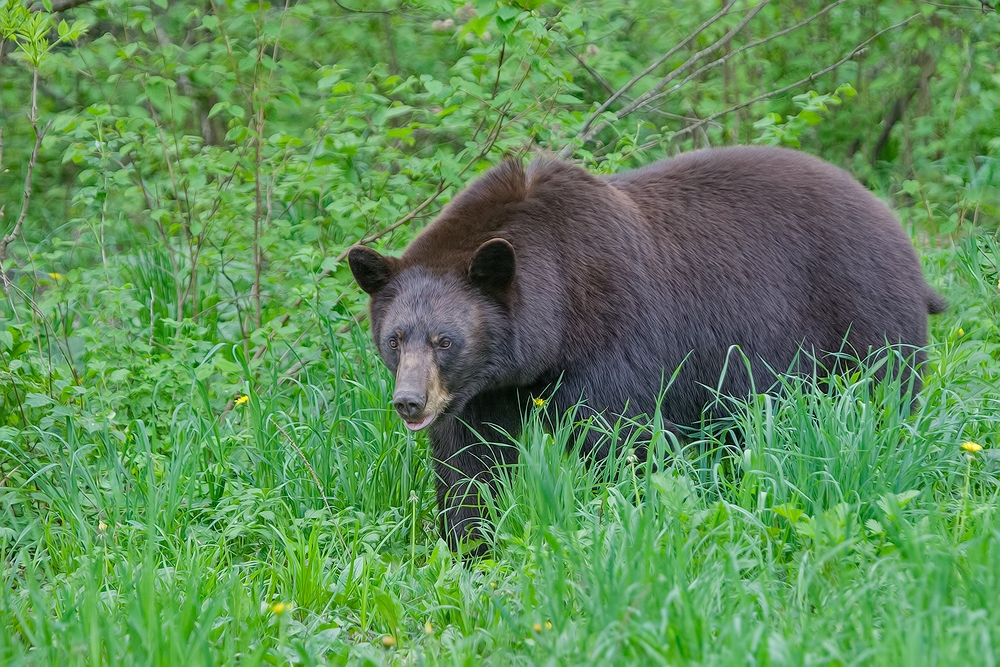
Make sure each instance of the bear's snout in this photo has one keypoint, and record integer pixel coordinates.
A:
(409, 405)
(419, 396)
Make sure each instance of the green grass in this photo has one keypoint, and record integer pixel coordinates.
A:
(300, 526)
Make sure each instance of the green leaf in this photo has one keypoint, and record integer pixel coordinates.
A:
(789, 511)
(399, 110)
(571, 21)
(506, 16)
(874, 527)
(119, 375)
(810, 117)
(37, 400)
(768, 120)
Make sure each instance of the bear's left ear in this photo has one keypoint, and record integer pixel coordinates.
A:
(372, 270)
(492, 267)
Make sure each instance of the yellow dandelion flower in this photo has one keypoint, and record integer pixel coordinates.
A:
(539, 402)
(537, 627)
(388, 641)
(971, 447)
(428, 628)
(240, 400)
(56, 276)
(961, 331)
(280, 608)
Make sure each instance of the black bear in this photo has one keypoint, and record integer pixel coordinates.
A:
(603, 286)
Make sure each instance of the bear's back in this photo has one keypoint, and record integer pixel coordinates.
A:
(621, 279)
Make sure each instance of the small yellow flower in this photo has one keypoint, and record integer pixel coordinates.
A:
(537, 627)
(56, 276)
(428, 628)
(961, 331)
(240, 400)
(548, 625)
(971, 447)
(280, 608)
(101, 526)
(539, 402)
(388, 641)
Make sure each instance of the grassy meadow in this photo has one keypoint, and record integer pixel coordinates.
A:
(198, 462)
(296, 522)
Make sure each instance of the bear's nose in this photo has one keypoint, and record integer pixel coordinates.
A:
(409, 406)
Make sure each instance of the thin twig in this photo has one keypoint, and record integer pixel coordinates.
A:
(590, 70)
(16, 229)
(2, 206)
(442, 186)
(319, 485)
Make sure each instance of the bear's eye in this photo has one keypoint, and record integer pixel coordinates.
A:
(444, 343)
(393, 343)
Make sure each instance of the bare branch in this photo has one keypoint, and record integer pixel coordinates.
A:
(984, 7)
(585, 130)
(773, 93)
(607, 86)
(644, 99)
(399, 223)
(591, 71)
(752, 45)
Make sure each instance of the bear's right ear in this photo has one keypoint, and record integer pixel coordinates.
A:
(492, 267)
(372, 270)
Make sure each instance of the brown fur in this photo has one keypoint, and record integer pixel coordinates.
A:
(607, 285)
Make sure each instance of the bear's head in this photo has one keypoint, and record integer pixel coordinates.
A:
(442, 333)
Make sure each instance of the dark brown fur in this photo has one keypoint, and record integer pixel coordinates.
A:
(613, 282)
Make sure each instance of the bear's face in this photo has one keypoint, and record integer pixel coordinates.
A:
(437, 333)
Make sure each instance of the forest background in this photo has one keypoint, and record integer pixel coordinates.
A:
(198, 464)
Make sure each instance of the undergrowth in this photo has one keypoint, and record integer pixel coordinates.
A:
(296, 522)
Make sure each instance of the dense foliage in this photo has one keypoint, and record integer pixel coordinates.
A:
(197, 460)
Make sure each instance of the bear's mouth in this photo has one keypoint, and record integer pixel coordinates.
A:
(421, 424)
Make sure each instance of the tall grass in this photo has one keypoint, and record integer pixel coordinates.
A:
(300, 525)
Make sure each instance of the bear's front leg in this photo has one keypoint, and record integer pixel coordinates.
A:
(465, 459)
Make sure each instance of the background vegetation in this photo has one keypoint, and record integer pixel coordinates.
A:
(197, 460)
